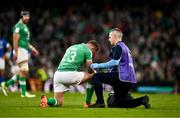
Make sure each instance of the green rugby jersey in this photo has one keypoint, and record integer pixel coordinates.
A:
(74, 57)
(23, 33)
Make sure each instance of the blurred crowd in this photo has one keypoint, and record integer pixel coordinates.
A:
(151, 32)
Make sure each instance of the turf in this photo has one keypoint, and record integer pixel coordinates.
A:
(163, 105)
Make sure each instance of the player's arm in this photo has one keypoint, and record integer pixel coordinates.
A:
(117, 52)
(8, 54)
(33, 49)
(88, 63)
(108, 64)
(15, 44)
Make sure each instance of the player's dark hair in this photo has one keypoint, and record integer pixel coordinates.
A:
(95, 43)
(24, 13)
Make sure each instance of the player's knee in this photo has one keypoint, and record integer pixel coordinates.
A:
(26, 69)
(23, 73)
(24, 66)
(86, 78)
(88, 75)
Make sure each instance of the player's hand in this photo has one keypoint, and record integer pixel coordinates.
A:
(35, 52)
(94, 65)
(91, 70)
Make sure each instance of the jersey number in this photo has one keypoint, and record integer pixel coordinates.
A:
(71, 56)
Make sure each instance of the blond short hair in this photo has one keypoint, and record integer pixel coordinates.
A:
(117, 31)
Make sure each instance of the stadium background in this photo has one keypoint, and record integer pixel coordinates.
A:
(151, 30)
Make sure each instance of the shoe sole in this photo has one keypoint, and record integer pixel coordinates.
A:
(5, 93)
(87, 105)
(3, 89)
(96, 106)
(43, 103)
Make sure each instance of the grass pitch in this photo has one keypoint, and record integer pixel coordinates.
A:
(163, 105)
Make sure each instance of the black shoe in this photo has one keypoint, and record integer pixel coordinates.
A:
(145, 102)
(111, 100)
(97, 105)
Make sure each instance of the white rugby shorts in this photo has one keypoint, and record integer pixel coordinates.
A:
(62, 80)
(22, 55)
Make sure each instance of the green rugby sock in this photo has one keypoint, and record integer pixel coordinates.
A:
(12, 80)
(22, 82)
(89, 92)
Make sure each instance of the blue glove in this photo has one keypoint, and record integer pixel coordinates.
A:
(108, 64)
(94, 65)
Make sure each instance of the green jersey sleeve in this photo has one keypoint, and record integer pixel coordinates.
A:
(17, 28)
(88, 53)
